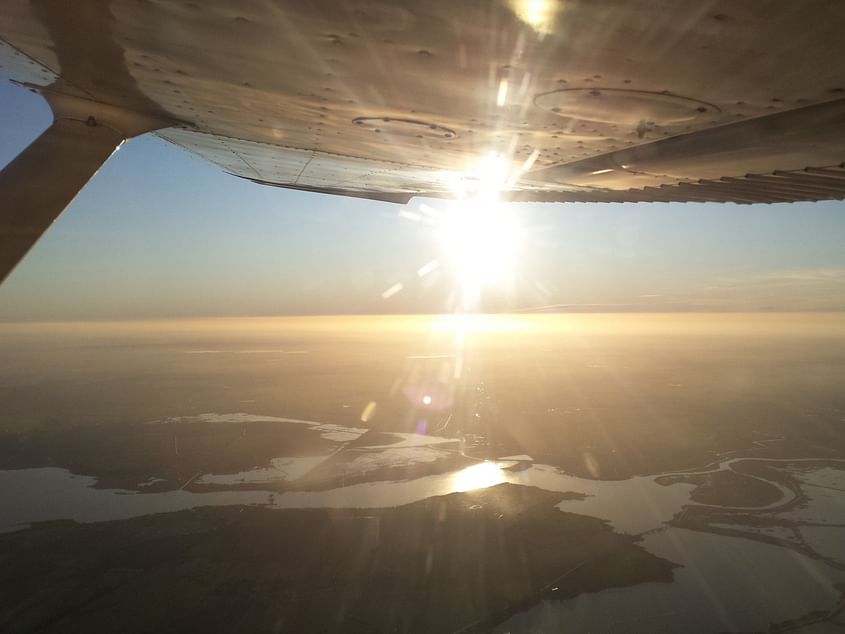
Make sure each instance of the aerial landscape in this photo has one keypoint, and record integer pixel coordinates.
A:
(548, 458)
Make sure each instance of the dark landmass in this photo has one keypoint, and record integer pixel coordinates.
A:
(782, 472)
(726, 488)
(737, 524)
(771, 526)
(464, 560)
(126, 456)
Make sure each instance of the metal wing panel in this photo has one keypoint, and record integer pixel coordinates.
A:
(24, 69)
(377, 96)
(307, 169)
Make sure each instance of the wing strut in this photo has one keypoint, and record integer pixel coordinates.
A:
(37, 185)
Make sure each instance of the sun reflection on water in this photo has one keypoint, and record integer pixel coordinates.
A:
(478, 476)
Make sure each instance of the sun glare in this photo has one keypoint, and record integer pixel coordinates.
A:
(481, 241)
(479, 476)
(538, 14)
(481, 237)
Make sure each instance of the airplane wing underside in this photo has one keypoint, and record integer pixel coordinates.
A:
(605, 101)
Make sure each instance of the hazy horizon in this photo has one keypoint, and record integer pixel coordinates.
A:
(839, 313)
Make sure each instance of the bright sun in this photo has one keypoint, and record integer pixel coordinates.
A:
(482, 238)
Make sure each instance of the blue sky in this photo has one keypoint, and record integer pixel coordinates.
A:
(161, 233)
